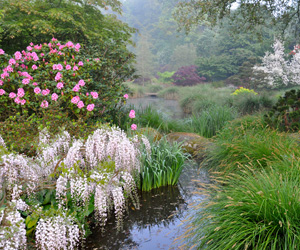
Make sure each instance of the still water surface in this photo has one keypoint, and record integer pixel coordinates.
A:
(158, 222)
(170, 108)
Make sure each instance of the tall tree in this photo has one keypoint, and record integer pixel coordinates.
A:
(37, 21)
(146, 64)
(249, 13)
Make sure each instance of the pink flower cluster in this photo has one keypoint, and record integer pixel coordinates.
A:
(57, 67)
(94, 95)
(23, 62)
(132, 114)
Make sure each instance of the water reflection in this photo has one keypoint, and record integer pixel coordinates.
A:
(170, 108)
(157, 223)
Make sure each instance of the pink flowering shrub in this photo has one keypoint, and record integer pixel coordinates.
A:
(53, 74)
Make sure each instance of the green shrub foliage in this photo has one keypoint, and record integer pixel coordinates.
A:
(285, 114)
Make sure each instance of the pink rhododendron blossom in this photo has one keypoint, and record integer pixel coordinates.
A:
(70, 44)
(1, 82)
(76, 88)
(126, 96)
(75, 99)
(37, 90)
(9, 68)
(133, 126)
(75, 68)
(18, 55)
(87, 60)
(94, 95)
(90, 107)
(12, 61)
(77, 46)
(54, 97)
(17, 100)
(2, 52)
(60, 85)
(34, 56)
(2, 91)
(34, 84)
(57, 67)
(25, 81)
(54, 39)
(68, 67)
(58, 76)
(34, 67)
(21, 92)
(87, 94)
(12, 95)
(42, 54)
(80, 104)
(25, 74)
(44, 104)
(81, 83)
(23, 66)
(23, 101)
(4, 75)
(45, 92)
(132, 114)
(29, 48)
(80, 63)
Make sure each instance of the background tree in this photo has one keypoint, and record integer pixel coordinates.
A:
(26, 21)
(247, 13)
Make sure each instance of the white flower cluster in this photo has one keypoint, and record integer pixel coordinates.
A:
(2, 143)
(51, 151)
(104, 165)
(278, 70)
(111, 144)
(12, 230)
(55, 233)
(19, 172)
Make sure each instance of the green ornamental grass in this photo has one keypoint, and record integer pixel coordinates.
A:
(163, 166)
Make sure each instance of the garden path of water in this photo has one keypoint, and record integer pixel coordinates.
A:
(158, 221)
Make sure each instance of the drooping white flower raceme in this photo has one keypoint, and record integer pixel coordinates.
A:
(107, 144)
(50, 154)
(2, 143)
(12, 230)
(19, 172)
(119, 203)
(101, 205)
(55, 233)
(74, 155)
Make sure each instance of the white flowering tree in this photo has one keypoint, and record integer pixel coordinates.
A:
(278, 71)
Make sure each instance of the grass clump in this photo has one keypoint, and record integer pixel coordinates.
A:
(162, 166)
(250, 103)
(150, 117)
(197, 98)
(258, 211)
(208, 122)
(170, 93)
(249, 140)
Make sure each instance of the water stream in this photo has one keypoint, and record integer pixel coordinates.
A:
(157, 223)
